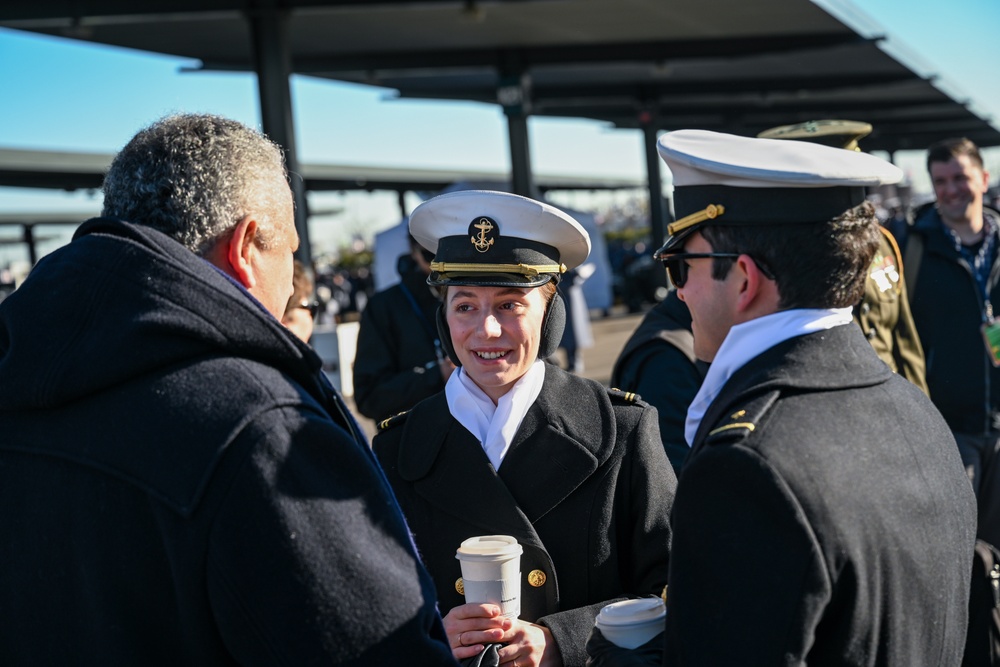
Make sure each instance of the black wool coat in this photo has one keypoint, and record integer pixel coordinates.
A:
(585, 488)
(823, 518)
(178, 483)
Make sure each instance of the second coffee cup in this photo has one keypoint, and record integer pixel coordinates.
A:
(632, 623)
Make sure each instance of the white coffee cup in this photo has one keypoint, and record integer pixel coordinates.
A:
(632, 623)
(491, 571)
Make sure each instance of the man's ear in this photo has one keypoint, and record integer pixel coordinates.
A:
(239, 251)
(751, 278)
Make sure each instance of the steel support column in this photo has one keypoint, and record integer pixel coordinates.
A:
(514, 95)
(29, 239)
(657, 208)
(401, 200)
(273, 62)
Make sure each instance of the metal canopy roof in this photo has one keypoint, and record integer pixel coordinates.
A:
(85, 171)
(724, 65)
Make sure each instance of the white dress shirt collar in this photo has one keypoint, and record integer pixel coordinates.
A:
(748, 340)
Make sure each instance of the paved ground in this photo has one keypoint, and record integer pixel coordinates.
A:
(610, 334)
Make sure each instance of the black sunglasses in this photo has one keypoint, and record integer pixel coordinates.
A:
(311, 306)
(677, 268)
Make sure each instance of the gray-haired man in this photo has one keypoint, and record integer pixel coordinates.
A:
(180, 486)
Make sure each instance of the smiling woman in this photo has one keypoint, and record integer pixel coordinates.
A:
(575, 472)
(495, 332)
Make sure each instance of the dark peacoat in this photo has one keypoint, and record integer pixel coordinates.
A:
(179, 485)
(585, 488)
(823, 518)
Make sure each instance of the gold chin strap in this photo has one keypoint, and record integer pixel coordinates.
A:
(523, 269)
(710, 212)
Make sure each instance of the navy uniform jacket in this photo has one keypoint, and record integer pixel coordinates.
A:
(823, 518)
(178, 485)
(585, 488)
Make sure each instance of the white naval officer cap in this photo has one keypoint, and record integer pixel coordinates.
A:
(482, 237)
(723, 179)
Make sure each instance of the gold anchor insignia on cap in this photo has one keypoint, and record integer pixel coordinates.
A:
(536, 578)
(481, 241)
(460, 586)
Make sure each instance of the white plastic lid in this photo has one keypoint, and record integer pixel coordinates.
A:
(490, 546)
(630, 612)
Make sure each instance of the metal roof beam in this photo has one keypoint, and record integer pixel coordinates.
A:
(570, 54)
(57, 13)
(595, 94)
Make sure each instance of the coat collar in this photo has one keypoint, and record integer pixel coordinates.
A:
(837, 358)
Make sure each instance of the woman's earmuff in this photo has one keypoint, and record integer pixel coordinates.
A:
(444, 333)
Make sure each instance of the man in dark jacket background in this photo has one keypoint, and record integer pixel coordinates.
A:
(179, 484)
(951, 259)
(400, 360)
(658, 364)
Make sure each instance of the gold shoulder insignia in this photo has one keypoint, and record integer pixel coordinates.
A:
(737, 420)
(627, 396)
(749, 426)
(392, 421)
(741, 423)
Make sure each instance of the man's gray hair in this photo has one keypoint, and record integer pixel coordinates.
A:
(194, 177)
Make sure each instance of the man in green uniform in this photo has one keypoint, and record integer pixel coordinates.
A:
(884, 312)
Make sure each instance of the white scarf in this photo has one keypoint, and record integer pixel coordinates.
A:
(493, 425)
(749, 339)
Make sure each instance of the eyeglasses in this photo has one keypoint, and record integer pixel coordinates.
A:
(311, 306)
(677, 268)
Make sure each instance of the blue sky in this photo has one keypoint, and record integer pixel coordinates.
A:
(65, 95)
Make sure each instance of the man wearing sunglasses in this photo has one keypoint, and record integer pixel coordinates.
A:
(823, 515)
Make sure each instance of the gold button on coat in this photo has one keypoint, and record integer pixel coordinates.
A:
(536, 578)
(460, 586)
